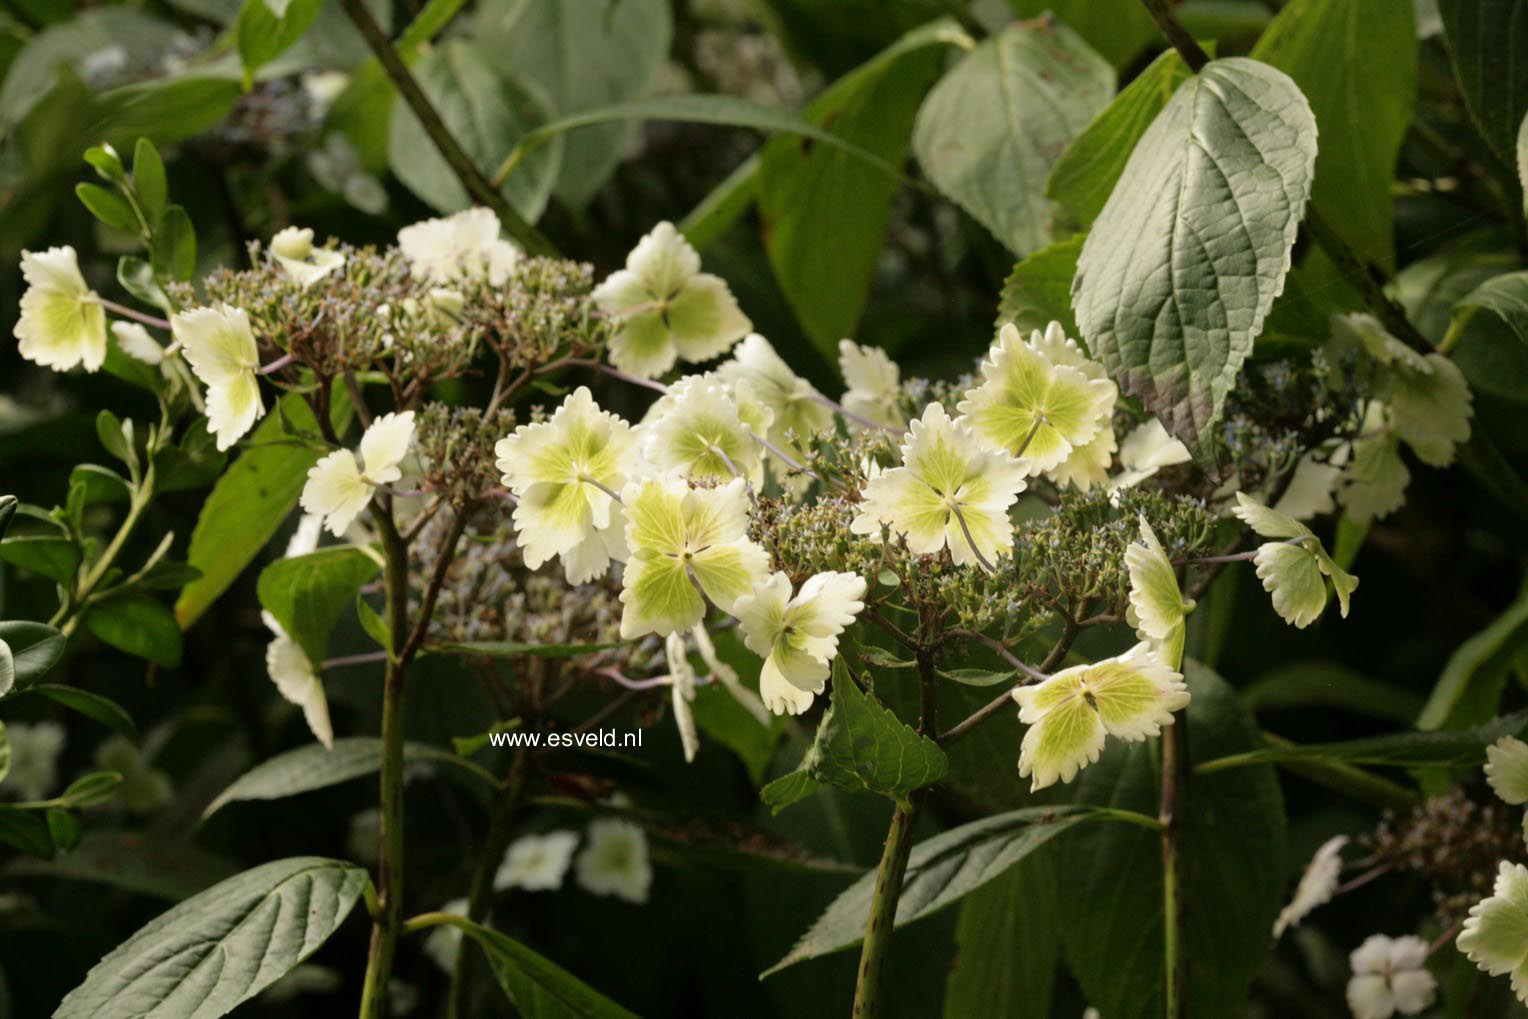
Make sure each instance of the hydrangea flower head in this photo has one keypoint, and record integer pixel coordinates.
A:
(701, 434)
(874, 382)
(564, 471)
(797, 637)
(341, 485)
(1158, 610)
(1294, 568)
(1374, 481)
(1390, 977)
(220, 347)
(685, 542)
(1430, 409)
(666, 308)
(460, 247)
(1147, 449)
(796, 408)
(1070, 714)
(950, 491)
(293, 250)
(61, 324)
(1032, 406)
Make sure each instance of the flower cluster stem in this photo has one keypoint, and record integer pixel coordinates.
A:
(1173, 803)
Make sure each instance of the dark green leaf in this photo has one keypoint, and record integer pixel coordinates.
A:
(978, 677)
(91, 790)
(824, 212)
(113, 436)
(1007, 943)
(1183, 263)
(488, 114)
(581, 56)
(140, 862)
(1449, 748)
(1356, 63)
(8, 504)
(149, 185)
(990, 130)
(1505, 296)
(222, 947)
(262, 36)
(314, 767)
(107, 206)
(1039, 290)
(91, 705)
(174, 253)
(63, 829)
(863, 747)
(25, 830)
(54, 558)
(107, 163)
(536, 985)
(1328, 684)
(1117, 31)
(307, 594)
(35, 649)
(139, 625)
(1233, 840)
(373, 623)
(788, 789)
(1488, 43)
(1469, 689)
(511, 649)
(1087, 171)
(251, 501)
(101, 484)
(940, 871)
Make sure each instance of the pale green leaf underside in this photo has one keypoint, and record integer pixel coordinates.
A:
(1187, 256)
(1505, 296)
(222, 947)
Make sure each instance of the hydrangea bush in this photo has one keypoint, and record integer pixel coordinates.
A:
(606, 495)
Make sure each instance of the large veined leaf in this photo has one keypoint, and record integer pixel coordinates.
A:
(1007, 943)
(1233, 843)
(1488, 43)
(863, 747)
(1117, 31)
(1356, 62)
(1322, 683)
(1450, 748)
(204, 957)
(989, 131)
(487, 113)
(824, 212)
(1087, 171)
(140, 862)
(1039, 290)
(536, 985)
(35, 648)
(1181, 266)
(940, 871)
(316, 767)
(252, 499)
(139, 625)
(308, 593)
(581, 54)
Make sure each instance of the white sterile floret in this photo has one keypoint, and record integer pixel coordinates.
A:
(1294, 569)
(1130, 696)
(797, 637)
(951, 491)
(1374, 481)
(461, 247)
(682, 692)
(1088, 464)
(685, 543)
(1366, 332)
(444, 942)
(1317, 884)
(701, 434)
(35, 748)
(62, 323)
(340, 485)
(536, 863)
(1158, 610)
(796, 408)
(1390, 977)
(220, 347)
(874, 384)
(1031, 406)
(1507, 769)
(1430, 410)
(298, 680)
(1147, 449)
(564, 471)
(293, 250)
(614, 861)
(665, 308)
(136, 342)
(1311, 489)
(1495, 935)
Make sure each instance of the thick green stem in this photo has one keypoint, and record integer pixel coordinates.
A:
(70, 613)
(1174, 793)
(466, 171)
(385, 925)
(883, 907)
(501, 828)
